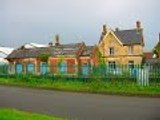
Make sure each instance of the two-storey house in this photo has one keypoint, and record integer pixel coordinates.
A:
(122, 46)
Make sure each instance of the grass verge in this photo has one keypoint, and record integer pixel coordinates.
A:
(123, 87)
(13, 114)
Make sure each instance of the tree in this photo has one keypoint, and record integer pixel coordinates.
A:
(43, 57)
(155, 51)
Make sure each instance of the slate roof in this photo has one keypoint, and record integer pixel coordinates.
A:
(64, 49)
(87, 51)
(26, 53)
(129, 37)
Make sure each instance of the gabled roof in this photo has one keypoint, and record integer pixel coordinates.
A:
(126, 37)
(130, 37)
(65, 49)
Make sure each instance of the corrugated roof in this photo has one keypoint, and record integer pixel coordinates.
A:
(33, 45)
(6, 50)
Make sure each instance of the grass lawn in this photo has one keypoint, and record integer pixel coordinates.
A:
(12, 114)
(124, 87)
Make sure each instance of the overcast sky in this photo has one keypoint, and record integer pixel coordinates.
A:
(25, 21)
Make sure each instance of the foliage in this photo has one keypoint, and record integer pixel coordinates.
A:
(13, 114)
(155, 51)
(61, 59)
(43, 57)
(109, 86)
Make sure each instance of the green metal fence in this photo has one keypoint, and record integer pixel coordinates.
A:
(141, 74)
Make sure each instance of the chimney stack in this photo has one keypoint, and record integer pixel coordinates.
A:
(57, 40)
(138, 25)
(104, 29)
(117, 29)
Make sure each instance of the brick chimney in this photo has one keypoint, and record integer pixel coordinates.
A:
(116, 29)
(104, 29)
(138, 25)
(57, 40)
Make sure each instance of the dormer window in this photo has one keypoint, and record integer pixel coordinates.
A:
(111, 50)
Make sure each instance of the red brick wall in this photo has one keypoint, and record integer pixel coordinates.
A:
(71, 66)
(54, 65)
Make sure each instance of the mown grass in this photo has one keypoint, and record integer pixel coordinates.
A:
(13, 114)
(121, 87)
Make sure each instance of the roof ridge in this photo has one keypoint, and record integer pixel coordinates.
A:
(124, 30)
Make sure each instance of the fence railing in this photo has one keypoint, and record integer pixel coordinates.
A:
(142, 74)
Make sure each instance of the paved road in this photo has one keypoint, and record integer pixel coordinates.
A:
(80, 106)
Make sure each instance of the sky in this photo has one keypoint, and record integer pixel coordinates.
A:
(38, 21)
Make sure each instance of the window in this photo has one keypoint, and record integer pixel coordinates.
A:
(19, 68)
(111, 51)
(131, 64)
(112, 64)
(130, 49)
(30, 68)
